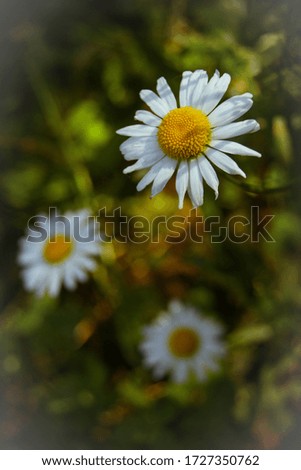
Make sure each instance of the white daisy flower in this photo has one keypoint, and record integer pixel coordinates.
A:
(59, 253)
(181, 341)
(188, 138)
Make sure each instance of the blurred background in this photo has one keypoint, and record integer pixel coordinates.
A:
(71, 371)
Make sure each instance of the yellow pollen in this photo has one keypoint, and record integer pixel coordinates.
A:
(184, 342)
(57, 249)
(184, 133)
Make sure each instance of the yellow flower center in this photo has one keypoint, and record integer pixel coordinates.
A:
(184, 133)
(57, 249)
(184, 342)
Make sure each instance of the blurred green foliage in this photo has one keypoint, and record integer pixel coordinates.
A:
(71, 373)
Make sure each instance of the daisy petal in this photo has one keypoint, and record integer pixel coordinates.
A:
(230, 110)
(70, 282)
(235, 129)
(194, 80)
(55, 282)
(159, 371)
(34, 276)
(207, 90)
(182, 181)
(139, 165)
(208, 174)
(199, 372)
(225, 163)
(148, 118)
(144, 162)
(183, 88)
(195, 185)
(79, 274)
(29, 252)
(86, 263)
(137, 130)
(198, 91)
(135, 147)
(175, 306)
(138, 143)
(92, 248)
(70, 278)
(156, 104)
(149, 155)
(166, 94)
(234, 148)
(179, 373)
(214, 92)
(150, 176)
(168, 166)
(40, 289)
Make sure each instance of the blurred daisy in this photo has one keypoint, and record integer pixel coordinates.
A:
(188, 138)
(181, 341)
(63, 257)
